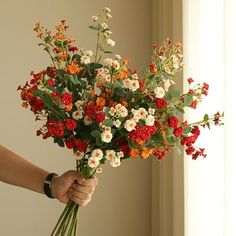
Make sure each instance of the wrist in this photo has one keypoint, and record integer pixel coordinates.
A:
(49, 185)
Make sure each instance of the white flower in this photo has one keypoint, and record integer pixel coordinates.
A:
(95, 18)
(97, 153)
(107, 129)
(107, 33)
(88, 53)
(108, 62)
(151, 111)
(78, 114)
(118, 57)
(167, 84)
(93, 162)
(112, 111)
(134, 85)
(116, 65)
(135, 112)
(107, 9)
(122, 111)
(159, 92)
(110, 154)
(142, 113)
(99, 170)
(104, 25)
(110, 42)
(85, 60)
(97, 90)
(79, 155)
(79, 103)
(120, 154)
(87, 120)
(136, 118)
(115, 162)
(130, 125)
(150, 120)
(117, 123)
(106, 137)
(127, 83)
(134, 76)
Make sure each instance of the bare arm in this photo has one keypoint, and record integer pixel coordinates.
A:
(17, 171)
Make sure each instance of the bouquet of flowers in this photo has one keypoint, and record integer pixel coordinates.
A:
(105, 111)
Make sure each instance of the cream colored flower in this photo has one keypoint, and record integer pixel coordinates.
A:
(110, 154)
(106, 137)
(167, 84)
(115, 162)
(104, 25)
(116, 65)
(150, 120)
(99, 170)
(130, 125)
(117, 123)
(120, 154)
(79, 155)
(142, 113)
(97, 153)
(151, 111)
(93, 162)
(85, 59)
(110, 42)
(159, 92)
(134, 85)
(78, 114)
(95, 18)
(108, 62)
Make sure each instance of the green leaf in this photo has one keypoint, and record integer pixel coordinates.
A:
(208, 125)
(175, 94)
(188, 99)
(187, 129)
(206, 117)
(47, 39)
(48, 100)
(58, 44)
(93, 27)
(108, 123)
(157, 138)
(96, 133)
(108, 52)
(38, 93)
(59, 141)
(86, 172)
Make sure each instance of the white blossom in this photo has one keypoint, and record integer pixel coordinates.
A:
(117, 123)
(130, 125)
(151, 111)
(110, 42)
(93, 162)
(120, 154)
(104, 25)
(159, 92)
(79, 155)
(95, 18)
(87, 120)
(142, 113)
(78, 114)
(97, 153)
(106, 137)
(85, 59)
(150, 120)
(110, 154)
(167, 84)
(115, 162)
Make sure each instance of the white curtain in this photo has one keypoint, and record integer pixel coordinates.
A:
(210, 184)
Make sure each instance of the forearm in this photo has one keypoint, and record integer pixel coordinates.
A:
(17, 171)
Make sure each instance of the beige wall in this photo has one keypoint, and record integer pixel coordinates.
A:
(122, 202)
(167, 175)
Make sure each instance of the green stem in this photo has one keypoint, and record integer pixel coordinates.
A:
(97, 47)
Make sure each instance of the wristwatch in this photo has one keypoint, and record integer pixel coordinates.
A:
(47, 185)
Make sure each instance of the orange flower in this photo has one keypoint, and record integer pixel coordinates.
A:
(91, 92)
(69, 107)
(124, 102)
(59, 37)
(74, 69)
(134, 152)
(100, 101)
(60, 27)
(146, 153)
(126, 61)
(62, 57)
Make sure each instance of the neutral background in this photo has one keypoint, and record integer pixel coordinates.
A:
(142, 197)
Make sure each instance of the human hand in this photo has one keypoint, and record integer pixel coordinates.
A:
(72, 186)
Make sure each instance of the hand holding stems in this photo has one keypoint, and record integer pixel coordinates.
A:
(72, 186)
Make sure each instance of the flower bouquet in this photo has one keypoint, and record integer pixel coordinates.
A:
(107, 112)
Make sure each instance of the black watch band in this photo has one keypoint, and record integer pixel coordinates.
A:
(47, 185)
